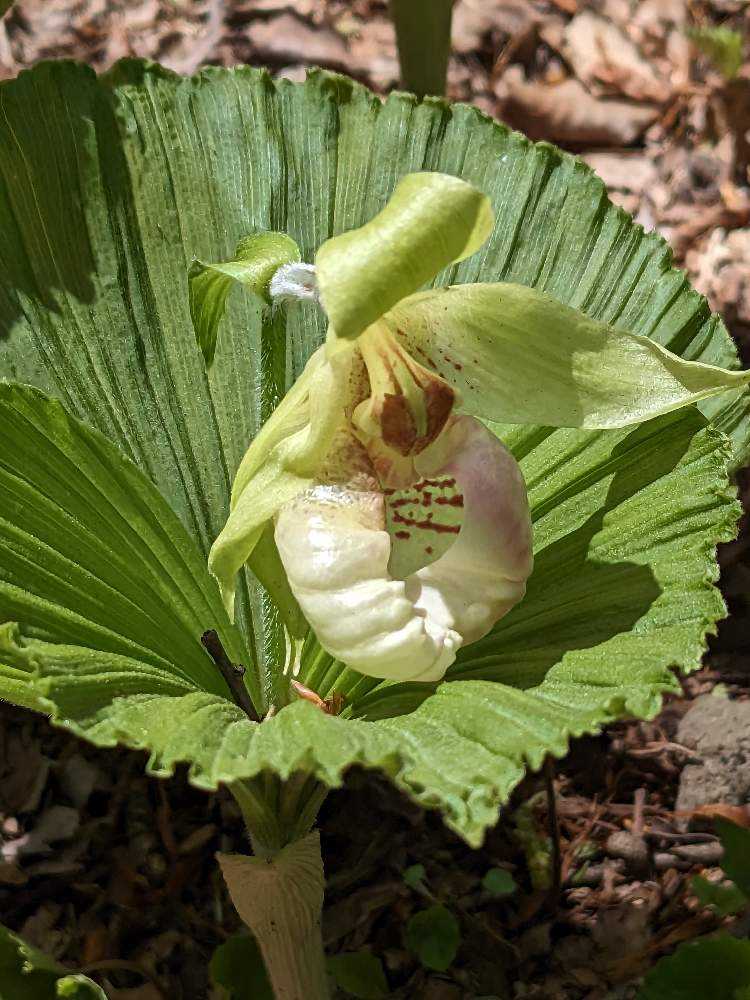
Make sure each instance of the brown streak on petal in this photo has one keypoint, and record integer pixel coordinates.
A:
(397, 424)
(439, 399)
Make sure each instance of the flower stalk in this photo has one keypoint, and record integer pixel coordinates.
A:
(423, 34)
(280, 898)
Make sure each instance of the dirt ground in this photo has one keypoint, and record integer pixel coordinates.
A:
(106, 869)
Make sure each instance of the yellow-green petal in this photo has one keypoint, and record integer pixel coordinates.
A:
(519, 356)
(281, 463)
(430, 221)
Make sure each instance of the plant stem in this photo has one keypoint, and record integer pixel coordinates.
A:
(280, 898)
(261, 819)
(276, 812)
(233, 673)
(554, 831)
(423, 33)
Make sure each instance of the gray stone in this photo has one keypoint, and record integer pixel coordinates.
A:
(719, 731)
(632, 849)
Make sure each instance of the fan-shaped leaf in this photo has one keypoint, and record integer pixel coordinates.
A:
(109, 188)
(92, 558)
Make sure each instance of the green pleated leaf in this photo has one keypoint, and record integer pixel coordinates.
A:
(462, 750)
(109, 189)
(93, 559)
(28, 974)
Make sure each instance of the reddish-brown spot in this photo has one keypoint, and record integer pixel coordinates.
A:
(427, 525)
(426, 499)
(443, 484)
(423, 354)
(454, 501)
(403, 534)
(429, 549)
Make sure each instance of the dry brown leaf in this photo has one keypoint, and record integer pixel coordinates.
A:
(567, 113)
(723, 810)
(23, 774)
(653, 16)
(623, 171)
(288, 39)
(10, 874)
(600, 52)
(720, 268)
(373, 51)
(473, 19)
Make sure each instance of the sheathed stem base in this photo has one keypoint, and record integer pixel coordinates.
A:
(280, 898)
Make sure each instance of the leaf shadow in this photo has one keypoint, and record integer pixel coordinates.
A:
(46, 143)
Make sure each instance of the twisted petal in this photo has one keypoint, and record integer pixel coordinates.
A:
(519, 356)
(335, 550)
(430, 221)
(281, 462)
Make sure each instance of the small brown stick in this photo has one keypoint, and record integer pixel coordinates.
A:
(554, 831)
(639, 801)
(231, 672)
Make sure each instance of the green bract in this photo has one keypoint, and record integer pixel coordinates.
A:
(117, 466)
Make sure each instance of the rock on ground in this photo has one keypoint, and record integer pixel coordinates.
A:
(719, 731)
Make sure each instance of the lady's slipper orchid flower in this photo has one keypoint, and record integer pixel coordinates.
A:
(400, 521)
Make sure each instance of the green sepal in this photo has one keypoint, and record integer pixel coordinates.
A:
(519, 356)
(256, 260)
(431, 220)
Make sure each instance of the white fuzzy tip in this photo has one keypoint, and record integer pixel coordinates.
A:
(293, 282)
